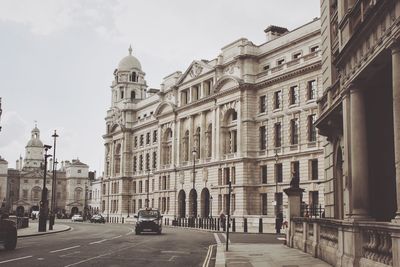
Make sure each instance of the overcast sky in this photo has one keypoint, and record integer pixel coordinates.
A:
(57, 58)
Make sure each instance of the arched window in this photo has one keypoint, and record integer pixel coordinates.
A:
(133, 95)
(133, 77)
(117, 159)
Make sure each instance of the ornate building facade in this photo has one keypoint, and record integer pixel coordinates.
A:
(23, 185)
(360, 117)
(246, 116)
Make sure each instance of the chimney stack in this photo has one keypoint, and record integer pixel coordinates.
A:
(273, 32)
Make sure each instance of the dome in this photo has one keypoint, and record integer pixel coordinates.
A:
(35, 139)
(129, 62)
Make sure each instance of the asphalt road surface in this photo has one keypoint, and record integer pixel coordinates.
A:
(110, 245)
(117, 245)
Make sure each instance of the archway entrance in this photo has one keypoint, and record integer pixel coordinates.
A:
(74, 210)
(193, 203)
(205, 203)
(181, 204)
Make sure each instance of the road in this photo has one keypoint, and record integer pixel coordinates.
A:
(117, 245)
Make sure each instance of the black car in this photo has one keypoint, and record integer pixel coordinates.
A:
(97, 218)
(148, 220)
(8, 232)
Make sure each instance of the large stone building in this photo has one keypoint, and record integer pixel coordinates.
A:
(360, 116)
(246, 116)
(21, 188)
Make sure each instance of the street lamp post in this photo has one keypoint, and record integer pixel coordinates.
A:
(276, 190)
(44, 203)
(53, 185)
(148, 188)
(194, 153)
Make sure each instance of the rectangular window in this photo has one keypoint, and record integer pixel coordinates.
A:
(263, 141)
(311, 89)
(277, 99)
(141, 140)
(147, 186)
(136, 141)
(262, 104)
(277, 133)
(313, 169)
(264, 174)
(147, 161)
(140, 204)
(280, 61)
(140, 186)
(140, 162)
(312, 131)
(294, 131)
(278, 173)
(314, 203)
(185, 97)
(134, 187)
(219, 176)
(264, 204)
(233, 203)
(294, 95)
(266, 67)
(233, 175)
(195, 93)
(155, 136)
(219, 203)
(154, 159)
(226, 176)
(148, 138)
(134, 163)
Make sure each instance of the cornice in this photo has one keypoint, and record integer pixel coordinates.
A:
(289, 75)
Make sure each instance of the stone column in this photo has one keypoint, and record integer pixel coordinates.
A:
(294, 209)
(396, 118)
(359, 154)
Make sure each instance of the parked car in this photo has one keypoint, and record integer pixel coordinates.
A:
(77, 218)
(148, 220)
(97, 218)
(8, 232)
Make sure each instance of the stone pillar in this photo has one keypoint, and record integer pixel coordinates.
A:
(359, 155)
(396, 118)
(294, 206)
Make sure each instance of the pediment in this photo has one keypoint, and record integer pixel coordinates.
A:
(164, 107)
(197, 68)
(227, 82)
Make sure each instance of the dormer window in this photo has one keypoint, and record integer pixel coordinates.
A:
(296, 55)
(314, 49)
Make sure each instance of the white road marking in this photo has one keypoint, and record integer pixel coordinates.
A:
(16, 259)
(65, 255)
(172, 258)
(40, 259)
(175, 252)
(131, 232)
(206, 262)
(98, 242)
(281, 238)
(115, 237)
(105, 254)
(217, 238)
(63, 249)
(224, 235)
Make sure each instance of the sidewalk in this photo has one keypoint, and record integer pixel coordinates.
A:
(264, 255)
(32, 230)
